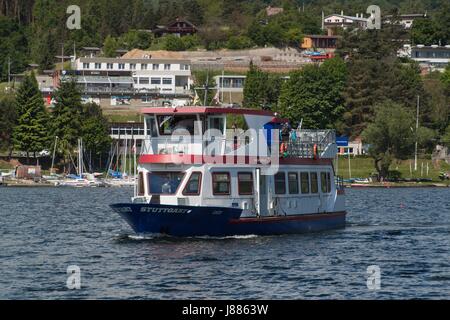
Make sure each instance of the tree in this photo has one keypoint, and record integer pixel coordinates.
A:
(173, 43)
(260, 89)
(66, 117)
(314, 95)
(445, 139)
(390, 136)
(8, 119)
(95, 133)
(31, 133)
(239, 42)
(109, 47)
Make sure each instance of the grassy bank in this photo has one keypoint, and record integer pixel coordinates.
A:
(363, 167)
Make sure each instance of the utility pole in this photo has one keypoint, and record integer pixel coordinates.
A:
(417, 129)
(206, 88)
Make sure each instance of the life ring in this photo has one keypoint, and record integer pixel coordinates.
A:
(315, 151)
(283, 148)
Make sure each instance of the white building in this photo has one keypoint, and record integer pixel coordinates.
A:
(405, 20)
(431, 57)
(166, 76)
(335, 21)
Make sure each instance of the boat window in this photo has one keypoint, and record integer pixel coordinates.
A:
(193, 185)
(314, 183)
(293, 182)
(141, 190)
(164, 182)
(304, 176)
(280, 183)
(221, 183)
(151, 127)
(245, 183)
(328, 182)
(323, 182)
(217, 123)
(168, 124)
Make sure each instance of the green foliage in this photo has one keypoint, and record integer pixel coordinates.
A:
(239, 42)
(314, 95)
(66, 115)
(8, 119)
(261, 89)
(31, 133)
(174, 43)
(389, 135)
(95, 132)
(109, 47)
(13, 46)
(445, 139)
(445, 78)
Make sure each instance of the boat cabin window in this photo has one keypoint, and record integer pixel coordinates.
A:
(245, 183)
(151, 127)
(141, 190)
(314, 183)
(221, 183)
(293, 182)
(168, 124)
(329, 182)
(193, 185)
(325, 181)
(164, 182)
(217, 123)
(280, 183)
(304, 176)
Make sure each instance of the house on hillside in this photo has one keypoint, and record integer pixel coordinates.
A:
(272, 11)
(405, 20)
(180, 27)
(335, 21)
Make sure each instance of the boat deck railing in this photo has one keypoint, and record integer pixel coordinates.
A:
(307, 144)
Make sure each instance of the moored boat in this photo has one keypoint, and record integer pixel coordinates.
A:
(195, 178)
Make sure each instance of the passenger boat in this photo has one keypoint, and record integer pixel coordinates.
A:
(196, 178)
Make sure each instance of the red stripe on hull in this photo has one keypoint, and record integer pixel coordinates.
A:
(305, 217)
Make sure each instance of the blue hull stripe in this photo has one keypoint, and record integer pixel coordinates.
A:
(187, 221)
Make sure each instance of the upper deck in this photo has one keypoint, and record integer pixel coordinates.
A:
(218, 131)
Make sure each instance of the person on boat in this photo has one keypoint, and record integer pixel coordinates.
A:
(166, 188)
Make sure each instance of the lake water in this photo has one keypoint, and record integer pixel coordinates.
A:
(406, 232)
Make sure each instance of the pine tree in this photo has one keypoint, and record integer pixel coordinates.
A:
(66, 116)
(31, 133)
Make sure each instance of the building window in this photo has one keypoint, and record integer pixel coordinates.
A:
(280, 183)
(156, 81)
(167, 80)
(221, 183)
(304, 177)
(193, 184)
(86, 65)
(121, 66)
(98, 65)
(146, 99)
(314, 183)
(164, 182)
(135, 80)
(167, 67)
(184, 67)
(245, 183)
(132, 66)
(109, 66)
(144, 80)
(155, 66)
(293, 182)
(144, 66)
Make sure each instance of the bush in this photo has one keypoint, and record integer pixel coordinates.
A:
(239, 42)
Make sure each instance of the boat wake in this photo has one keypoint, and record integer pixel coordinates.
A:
(164, 237)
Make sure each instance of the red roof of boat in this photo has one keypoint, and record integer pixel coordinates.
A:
(207, 110)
